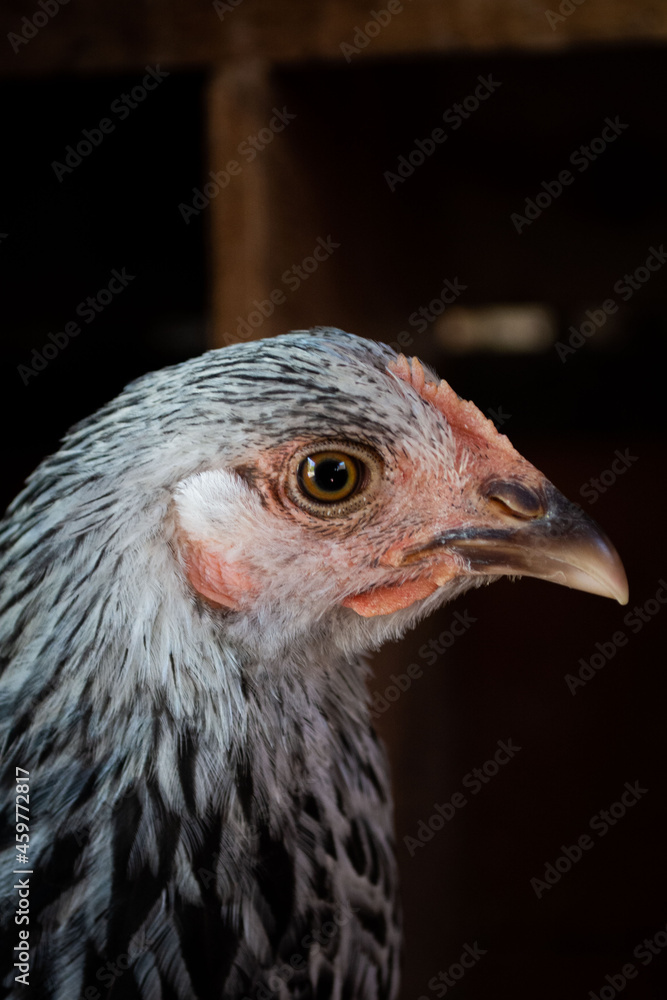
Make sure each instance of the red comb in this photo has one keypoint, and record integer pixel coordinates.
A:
(461, 415)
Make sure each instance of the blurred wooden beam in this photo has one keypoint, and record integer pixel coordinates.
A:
(239, 106)
(271, 235)
(126, 35)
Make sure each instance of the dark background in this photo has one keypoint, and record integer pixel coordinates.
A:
(504, 678)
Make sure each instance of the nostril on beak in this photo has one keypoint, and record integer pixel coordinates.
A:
(516, 500)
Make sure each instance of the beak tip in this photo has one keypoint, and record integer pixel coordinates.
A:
(622, 594)
(597, 568)
(612, 572)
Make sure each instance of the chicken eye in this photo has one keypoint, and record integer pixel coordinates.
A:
(329, 476)
(333, 478)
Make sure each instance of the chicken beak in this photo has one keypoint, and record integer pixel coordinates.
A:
(547, 537)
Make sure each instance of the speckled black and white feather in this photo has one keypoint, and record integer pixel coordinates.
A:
(210, 809)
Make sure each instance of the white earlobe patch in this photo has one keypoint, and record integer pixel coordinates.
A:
(217, 514)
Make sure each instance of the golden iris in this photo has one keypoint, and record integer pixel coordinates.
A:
(329, 476)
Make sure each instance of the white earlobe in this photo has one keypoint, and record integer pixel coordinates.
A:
(211, 503)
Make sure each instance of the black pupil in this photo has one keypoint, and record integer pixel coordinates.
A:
(331, 476)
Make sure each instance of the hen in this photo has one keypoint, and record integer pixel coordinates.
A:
(188, 587)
